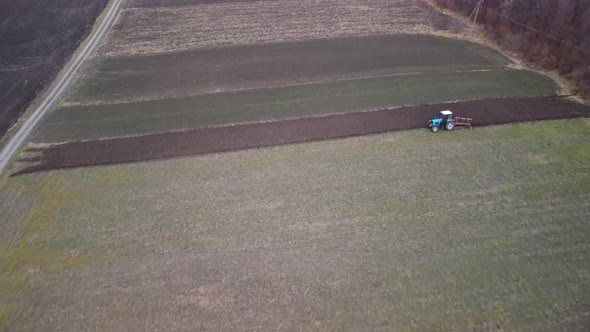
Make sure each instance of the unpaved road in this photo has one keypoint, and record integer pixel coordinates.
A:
(59, 87)
(253, 135)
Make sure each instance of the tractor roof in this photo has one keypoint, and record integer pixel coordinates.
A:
(447, 112)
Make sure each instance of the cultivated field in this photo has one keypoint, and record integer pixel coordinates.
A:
(253, 135)
(198, 71)
(145, 94)
(475, 229)
(157, 26)
(89, 122)
(38, 37)
(467, 230)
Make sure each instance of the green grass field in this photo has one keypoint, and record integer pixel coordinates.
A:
(472, 229)
(87, 122)
(198, 71)
(134, 95)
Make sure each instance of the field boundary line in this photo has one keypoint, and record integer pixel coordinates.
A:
(59, 86)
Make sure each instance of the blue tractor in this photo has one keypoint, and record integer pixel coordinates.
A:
(444, 119)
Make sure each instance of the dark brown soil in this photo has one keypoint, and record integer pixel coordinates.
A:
(37, 37)
(245, 136)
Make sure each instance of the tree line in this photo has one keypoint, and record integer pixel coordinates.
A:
(552, 34)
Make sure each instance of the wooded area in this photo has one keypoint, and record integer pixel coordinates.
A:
(553, 34)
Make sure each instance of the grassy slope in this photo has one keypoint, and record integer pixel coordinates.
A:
(85, 122)
(483, 228)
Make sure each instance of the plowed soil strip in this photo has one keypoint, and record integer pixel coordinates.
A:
(246, 136)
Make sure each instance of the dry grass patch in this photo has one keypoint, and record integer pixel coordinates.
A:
(157, 29)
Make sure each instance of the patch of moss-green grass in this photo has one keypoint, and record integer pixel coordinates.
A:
(32, 251)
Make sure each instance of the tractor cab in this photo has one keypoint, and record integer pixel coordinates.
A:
(446, 115)
(442, 119)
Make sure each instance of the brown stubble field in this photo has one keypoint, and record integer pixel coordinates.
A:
(172, 26)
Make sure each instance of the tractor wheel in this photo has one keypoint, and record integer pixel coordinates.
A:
(450, 126)
(434, 129)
